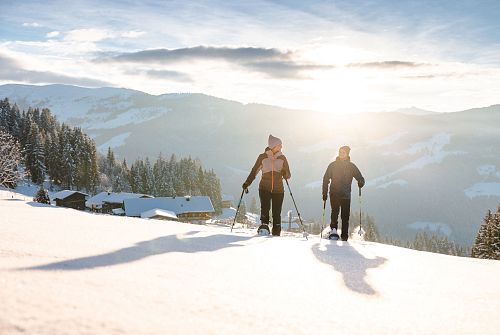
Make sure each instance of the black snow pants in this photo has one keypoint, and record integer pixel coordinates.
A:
(266, 198)
(342, 206)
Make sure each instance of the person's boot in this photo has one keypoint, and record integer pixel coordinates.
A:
(263, 230)
(333, 235)
(276, 229)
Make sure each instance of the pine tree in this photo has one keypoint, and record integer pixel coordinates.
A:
(10, 157)
(42, 196)
(34, 155)
(480, 249)
(371, 231)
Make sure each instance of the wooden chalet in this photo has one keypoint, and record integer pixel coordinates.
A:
(70, 199)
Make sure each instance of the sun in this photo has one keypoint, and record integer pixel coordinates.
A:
(341, 91)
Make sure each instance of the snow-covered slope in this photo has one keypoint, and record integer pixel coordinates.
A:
(68, 272)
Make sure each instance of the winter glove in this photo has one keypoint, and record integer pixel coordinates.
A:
(245, 185)
(361, 183)
(325, 197)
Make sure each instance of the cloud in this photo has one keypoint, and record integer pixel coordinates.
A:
(88, 35)
(52, 34)
(163, 74)
(32, 24)
(392, 64)
(200, 52)
(11, 71)
(284, 69)
(132, 34)
(271, 61)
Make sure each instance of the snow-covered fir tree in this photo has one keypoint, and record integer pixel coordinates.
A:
(42, 196)
(35, 154)
(65, 154)
(10, 157)
(487, 243)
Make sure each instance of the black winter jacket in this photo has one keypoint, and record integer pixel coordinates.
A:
(340, 173)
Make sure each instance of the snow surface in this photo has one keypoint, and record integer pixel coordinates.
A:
(398, 182)
(114, 142)
(486, 170)
(483, 190)
(64, 271)
(390, 139)
(131, 116)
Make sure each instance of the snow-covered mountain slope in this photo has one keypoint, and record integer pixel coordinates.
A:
(71, 272)
(440, 168)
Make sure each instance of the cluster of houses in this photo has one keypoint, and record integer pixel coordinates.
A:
(187, 208)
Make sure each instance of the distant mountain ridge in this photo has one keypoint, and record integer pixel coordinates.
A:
(436, 171)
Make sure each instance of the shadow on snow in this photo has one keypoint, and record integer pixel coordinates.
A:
(141, 250)
(350, 263)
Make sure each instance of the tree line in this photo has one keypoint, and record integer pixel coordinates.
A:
(64, 154)
(423, 241)
(68, 158)
(161, 178)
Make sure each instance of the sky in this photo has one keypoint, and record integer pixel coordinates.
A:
(331, 56)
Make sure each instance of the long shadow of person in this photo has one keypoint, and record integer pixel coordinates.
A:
(350, 263)
(157, 246)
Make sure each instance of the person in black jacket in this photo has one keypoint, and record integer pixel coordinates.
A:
(274, 166)
(339, 175)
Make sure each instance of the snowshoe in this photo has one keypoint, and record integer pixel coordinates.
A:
(333, 235)
(263, 230)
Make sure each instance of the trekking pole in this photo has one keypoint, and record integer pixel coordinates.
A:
(323, 221)
(360, 232)
(304, 233)
(237, 209)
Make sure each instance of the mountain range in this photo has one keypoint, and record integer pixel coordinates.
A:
(424, 170)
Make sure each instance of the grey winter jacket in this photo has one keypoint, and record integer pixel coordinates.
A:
(339, 176)
(274, 167)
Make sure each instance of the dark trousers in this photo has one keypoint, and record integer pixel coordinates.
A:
(342, 206)
(266, 198)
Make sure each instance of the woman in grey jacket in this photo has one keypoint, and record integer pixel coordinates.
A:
(274, 168)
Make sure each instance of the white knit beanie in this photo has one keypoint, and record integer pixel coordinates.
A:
(273, 141)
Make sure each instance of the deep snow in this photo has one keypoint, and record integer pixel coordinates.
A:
(68, 272)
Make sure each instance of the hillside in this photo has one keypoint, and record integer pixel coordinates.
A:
(434, 171)
(65, 271)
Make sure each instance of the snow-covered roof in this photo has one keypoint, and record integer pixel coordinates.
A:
(97, 199)
(178, 205)
(159, 212)
(112, 197)
(118, 198)
(64, 194)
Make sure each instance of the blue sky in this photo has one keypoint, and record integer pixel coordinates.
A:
(334, 56)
